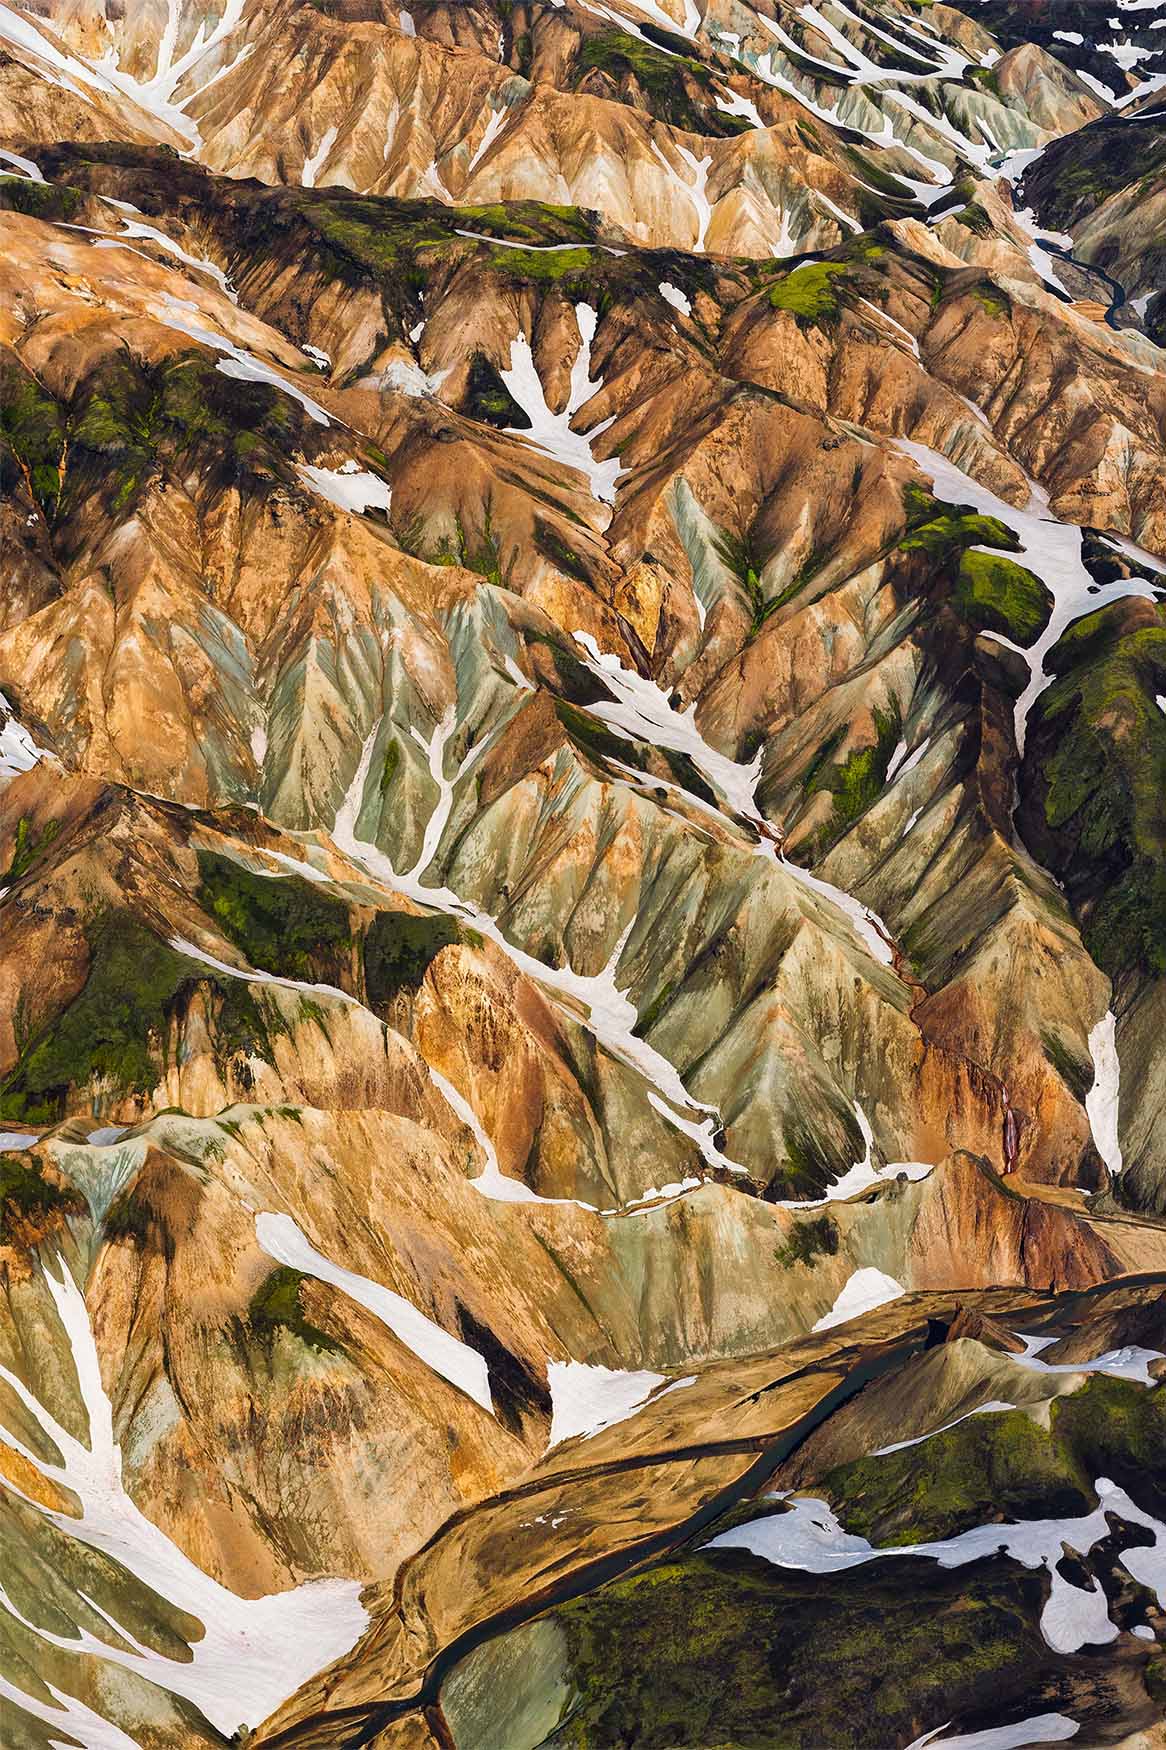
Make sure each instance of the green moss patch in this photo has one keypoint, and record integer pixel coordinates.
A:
(116, 1028)
(995, 594)
(940, 529)
(488, 398)
(28, 847)
(398, 949)
(54, 202)
(32, 435)
(275, 1308)
(1093, 785)
(285, 925)
(993, 299)
(858, 780)
(816, 1238)
(811, 293)
(989, 1467)
(676, 88)
(725, 1649)
(1116, 1429)
(109, 1028)
(808, 1166)
(132, 415)
(28, 1201)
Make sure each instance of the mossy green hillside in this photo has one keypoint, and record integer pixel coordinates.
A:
(1008, 1466)
(398, 950)
(942, 530)
(32, 435)
(1093, 802)
(858, 780)
(676, 88)
(1000, 1466)
(995, 594)
(28, 847)
(117, 1027)
(811, 293)
(29, 1201)
(285, 926)
(726, 1649)
(56, 203)
(125, 420)
(109, 1028)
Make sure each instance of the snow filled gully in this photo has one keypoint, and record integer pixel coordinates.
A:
(454, 1360)
(254, 1652)
(642, 711)
(1050, 548)
(609, 1014)
(551, 433)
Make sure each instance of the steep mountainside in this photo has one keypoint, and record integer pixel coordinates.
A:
(582, 874)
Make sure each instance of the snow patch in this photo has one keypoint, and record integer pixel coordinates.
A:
(1101, 1102)
(674, 296)
(551, 433)
(18, 751)
(585, 1400)
(866, 1290)
(1048, 547)
(1131, 1362)
(314, 164)
(254, 1652)
(1037, 1729)
(349, 487)
(808, 1536)
(176, 313)
(455, 1361)
(643, 711)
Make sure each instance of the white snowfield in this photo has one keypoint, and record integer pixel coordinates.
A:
(455, 1361)
(1101, 1102)
(156, 95)
(250, 976)
(1037, 1729)
(586, 1399)
(863, 1175)
(18, 751)
(552, 432)
(349, 487)
(253, 1653)
(1131, 1362)
(674, 296)
(58, 68)
(25, 165)
(135, 228)
(314, 164)
(863, 1292)
(808, 1536)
